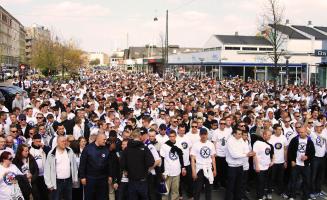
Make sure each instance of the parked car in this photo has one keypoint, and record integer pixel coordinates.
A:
(9, 93)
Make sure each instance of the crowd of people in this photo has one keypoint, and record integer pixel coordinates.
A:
(127, 136)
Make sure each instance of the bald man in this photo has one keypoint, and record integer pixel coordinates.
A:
(94, 169)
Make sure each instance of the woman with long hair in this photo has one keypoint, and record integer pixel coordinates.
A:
(26, 163)
(9, 174)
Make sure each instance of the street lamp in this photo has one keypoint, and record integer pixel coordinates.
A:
(201, 60)
(287, 57)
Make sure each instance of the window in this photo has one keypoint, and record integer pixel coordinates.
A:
(249, 48)
(266, 49)
(232, 48)
(4, 18)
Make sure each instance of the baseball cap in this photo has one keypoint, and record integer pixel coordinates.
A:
(143, 131)
(22, 117)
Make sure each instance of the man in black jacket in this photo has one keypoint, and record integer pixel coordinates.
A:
(94, 169)
(301, 150)
(135, 162)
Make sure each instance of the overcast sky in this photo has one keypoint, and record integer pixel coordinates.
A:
(103, 25)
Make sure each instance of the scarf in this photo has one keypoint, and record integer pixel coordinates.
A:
(175, 150)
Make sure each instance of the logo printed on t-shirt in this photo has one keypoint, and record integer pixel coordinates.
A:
(267, 151)
(172, 156)
(302, 147)
(8, 178)
(223, 141)
(288, 135)
(184, 145)
(205, 152)
(278, 145)
(320, 141)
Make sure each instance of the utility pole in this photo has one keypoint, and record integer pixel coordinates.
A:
(167, 46)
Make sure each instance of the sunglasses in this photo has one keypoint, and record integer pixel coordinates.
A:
(310, 122)
(39, 117)
(194, 126)
(10, 159)
(222, 123)
(14, 131)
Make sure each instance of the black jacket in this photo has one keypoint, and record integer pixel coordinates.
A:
(136, 160)
(33, 167)
(94, 162)
(293, 148)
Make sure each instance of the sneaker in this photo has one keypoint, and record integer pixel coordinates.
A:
(284, 196)
(291, 198)
(269, 196)
(264, 197)
(313, 196)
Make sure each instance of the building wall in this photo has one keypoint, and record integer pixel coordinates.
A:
(103, 57)
(11, 42)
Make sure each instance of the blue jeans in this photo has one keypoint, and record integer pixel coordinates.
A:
(63, 191)
(96, 189)
(137, 190)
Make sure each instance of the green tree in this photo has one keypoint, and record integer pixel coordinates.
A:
(95, 62)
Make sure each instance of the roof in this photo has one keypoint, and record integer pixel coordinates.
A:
(243, 40)
(322, 28)
(291, 33)
(311, 31)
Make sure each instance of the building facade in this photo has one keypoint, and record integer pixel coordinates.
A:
(34, 33)
(101, 56)
(250, 57)
(12, 40)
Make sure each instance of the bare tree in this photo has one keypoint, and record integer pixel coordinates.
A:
(272, 20)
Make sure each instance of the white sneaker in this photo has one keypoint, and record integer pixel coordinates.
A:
(291, 198)
(269, 196)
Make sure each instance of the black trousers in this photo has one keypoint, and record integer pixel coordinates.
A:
(221, 167)
(245, 178)
(152, 187)
(262, 183)
(277, 178)
(186, 183)
(123, 191)
(198, 185)
(234, 183)
(96, 189)
(304, 173)
(39, 189)
(317, 173)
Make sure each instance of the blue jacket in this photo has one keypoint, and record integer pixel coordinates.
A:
(94, 162)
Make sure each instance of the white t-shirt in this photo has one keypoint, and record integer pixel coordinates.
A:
(262, 151)
(6, 185)
(220, 139)
(171, 161)
(185, 145)
(161, 139)
(247, 148)
(301, 151)
(203, 152)
(155, 155)
(289, 134)
(62, 165)
(194, 138)
(279, 143)
(39, 157)
(319, 141)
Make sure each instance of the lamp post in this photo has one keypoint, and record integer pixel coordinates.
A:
(287, 57)
(201, 60)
